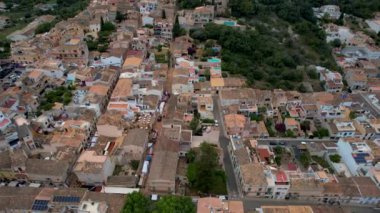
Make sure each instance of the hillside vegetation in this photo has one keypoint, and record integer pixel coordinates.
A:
(281, 39)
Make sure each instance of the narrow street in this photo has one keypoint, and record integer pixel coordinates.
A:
(293, 141)
(232, 187)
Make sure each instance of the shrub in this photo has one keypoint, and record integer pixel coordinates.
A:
(335, 158)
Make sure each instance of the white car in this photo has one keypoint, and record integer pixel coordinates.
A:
(155, 197)
(222, 197)
(303, 143)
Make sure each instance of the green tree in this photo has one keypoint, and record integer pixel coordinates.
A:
(119, 16)
(289, 133)
(336, 43)
(305, 159)
(301, 88)
(242, 7)
(92, 45)
(205, 174)
(6, 45)
(163, 15)
(177, 30)
(134, 164)
(335, 158)
(340, 21)
(278, 150)
(136, 203)
(107, 27)
(312, 73)
(321, 133)
(208, 121)
(277, 159)
(190, 4)
(190, 156)
(262, 110)
(206, 166)
(101, 22)
(191, 174)
(174, 204)
(305, 125)
(60, 95)
(256, 117)
(207, 74)
(194, 124)
(352, 115)
(321, 161)
(44, 27)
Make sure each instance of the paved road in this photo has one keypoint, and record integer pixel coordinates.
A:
(374, 110)
(252, 203)
(232, 187)
(292, 141)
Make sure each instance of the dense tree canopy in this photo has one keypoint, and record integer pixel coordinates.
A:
(280, 37)
(177, 30)
(204, 172)
(136, 202)
(174, 204)
(335, 158)
(189, 4)
(44, 27)
(292, 10)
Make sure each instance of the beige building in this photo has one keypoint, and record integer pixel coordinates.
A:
(121, 93)
(356, 79)
(111, 124)
(93, 169)
(135, 143)
(205, 106)
(132, 63)
(72, 51)
(25, 53)
(305, 188)
(212, 204)
(253, 184)
(163, 171)
(287, 209)
(234, 123)
(48, 171)
(197, 17)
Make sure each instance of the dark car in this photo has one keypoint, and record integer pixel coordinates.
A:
(272, 143)
(283, 143)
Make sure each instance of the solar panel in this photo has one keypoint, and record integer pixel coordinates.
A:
(66, 199)
(360, 157)
(40, 205)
